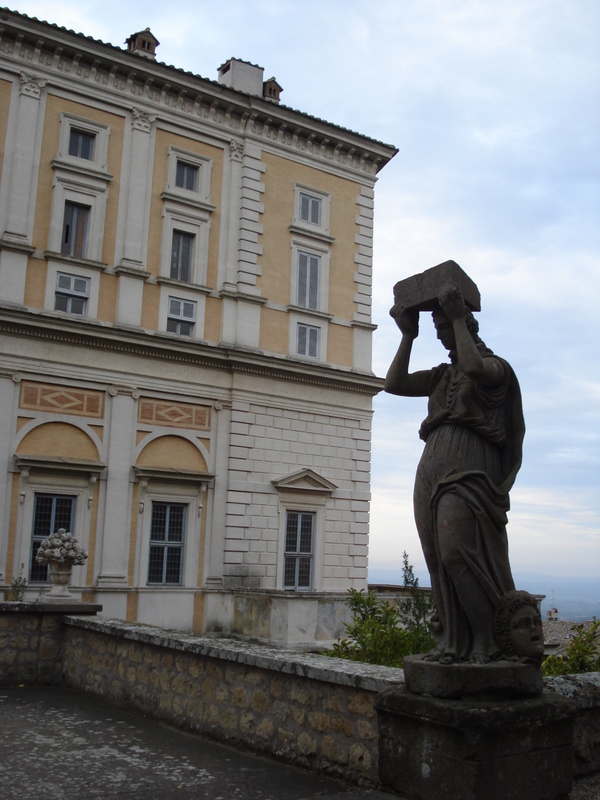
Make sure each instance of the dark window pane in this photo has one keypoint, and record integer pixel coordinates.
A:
(61, 302)
(81, 144)
(159, 522)
(291, 538)
(181, 256)
(155, 564)
(37, 572)
(77, 306)
(185, 329)
(176, 516)
(74, 230)
(289, 578)
(304, 565)
(173, 570)
(172, 326)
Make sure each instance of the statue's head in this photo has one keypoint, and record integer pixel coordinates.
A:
(445, 331)
(518, 627)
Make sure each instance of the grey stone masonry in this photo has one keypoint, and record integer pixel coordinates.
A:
(271, 441)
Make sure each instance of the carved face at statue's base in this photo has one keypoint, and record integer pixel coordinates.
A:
(526, 634)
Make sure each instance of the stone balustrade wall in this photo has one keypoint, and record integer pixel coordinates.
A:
(309, 709)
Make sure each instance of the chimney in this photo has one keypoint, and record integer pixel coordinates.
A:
(143, 43)
(272, 90)
(242, 76)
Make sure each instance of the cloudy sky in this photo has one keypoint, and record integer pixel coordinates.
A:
(493, 105)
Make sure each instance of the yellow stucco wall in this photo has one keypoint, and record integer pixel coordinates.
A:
(340, 345)
(5, 93)
(274, 330)
(107, 298)
(58, 439)
(172, 452)
(150, 305)
(54, 105)
(276, 260)
(159, 182)
(35, 283)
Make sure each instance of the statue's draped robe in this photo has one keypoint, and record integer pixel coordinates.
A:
(473, 448)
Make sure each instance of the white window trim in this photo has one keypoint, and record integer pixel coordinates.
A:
(178, 217)
(93, 275)
(181, 293)
(308, 227)
(191, 538)
(73, 485)
(86, 191)
(316, 506)
(99, 130)
(200, 197)
(296, 317)
(301, 245)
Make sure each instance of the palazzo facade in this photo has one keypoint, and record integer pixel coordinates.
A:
(185, 337)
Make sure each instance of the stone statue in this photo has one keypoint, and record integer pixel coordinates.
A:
(473, 433)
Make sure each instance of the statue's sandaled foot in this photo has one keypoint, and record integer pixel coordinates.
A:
(433, 655)
(479, 658)
(448, 658)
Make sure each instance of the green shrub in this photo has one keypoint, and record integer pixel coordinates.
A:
(17, 587)
(581, 655)
(383, 634)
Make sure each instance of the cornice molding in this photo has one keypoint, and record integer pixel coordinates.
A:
(63, 58)
(107, 337)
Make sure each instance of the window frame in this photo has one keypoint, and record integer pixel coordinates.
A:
(322, 229)
(39, 539)
(72, 293)
(198, 197)
(99, 130)
(190, 255)
(167, 545)
(76, 211)
(180, 318)
(298, 554)
(309, 330)
(300, 246)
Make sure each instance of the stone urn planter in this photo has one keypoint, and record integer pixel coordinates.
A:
(61, 552)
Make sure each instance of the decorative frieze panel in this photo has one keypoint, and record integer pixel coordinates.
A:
(61, 399)
(173, 415)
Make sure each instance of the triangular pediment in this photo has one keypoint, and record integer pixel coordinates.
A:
(307, 480)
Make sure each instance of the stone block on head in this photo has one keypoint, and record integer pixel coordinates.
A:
(421, 291)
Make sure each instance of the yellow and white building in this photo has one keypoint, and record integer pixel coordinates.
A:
(185, 337)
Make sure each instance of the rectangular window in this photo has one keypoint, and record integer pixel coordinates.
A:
(181, 316)
(186, 176)
(308, 280)
(50, 512)
(75, 226)
(81, 144)
(167, 530)
(181, 256)
(72, 292)
(299, 542)
(310, 209)
(308, 340)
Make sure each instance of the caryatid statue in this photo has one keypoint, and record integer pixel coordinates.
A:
(473, 437)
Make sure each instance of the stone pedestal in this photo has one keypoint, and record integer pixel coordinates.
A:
(442, 749)
(502, 679)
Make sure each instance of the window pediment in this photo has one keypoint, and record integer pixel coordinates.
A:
(305, 481)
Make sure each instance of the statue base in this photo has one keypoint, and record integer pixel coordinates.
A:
(502, 679)
(439, 749)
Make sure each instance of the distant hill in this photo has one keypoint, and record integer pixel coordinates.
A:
(577, 599)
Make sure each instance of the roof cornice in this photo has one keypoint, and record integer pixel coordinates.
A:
(60, 54)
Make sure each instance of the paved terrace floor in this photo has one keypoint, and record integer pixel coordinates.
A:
(58, 744)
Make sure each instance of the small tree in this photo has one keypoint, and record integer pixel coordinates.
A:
(581, 655)
(381, 633)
